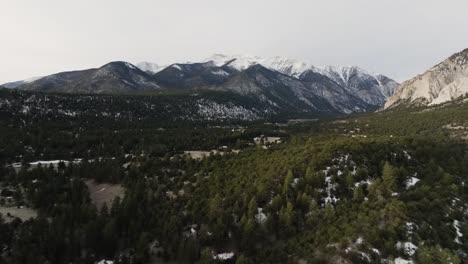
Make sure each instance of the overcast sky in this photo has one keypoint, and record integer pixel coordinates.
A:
(398, 38)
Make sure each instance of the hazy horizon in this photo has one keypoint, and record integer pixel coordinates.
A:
(395, 38)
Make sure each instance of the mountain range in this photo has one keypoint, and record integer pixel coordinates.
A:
(285, 84)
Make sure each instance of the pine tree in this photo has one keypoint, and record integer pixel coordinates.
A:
(252, 210)
(287, 183)
(358, 195)
(389, 174)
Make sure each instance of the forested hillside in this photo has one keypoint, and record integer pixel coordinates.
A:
(376, 188)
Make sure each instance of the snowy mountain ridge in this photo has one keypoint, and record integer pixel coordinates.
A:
(291, 67)
(374, 88)
(285, 65)
(289, 84)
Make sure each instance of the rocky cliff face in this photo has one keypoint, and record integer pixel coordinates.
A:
(444, 82)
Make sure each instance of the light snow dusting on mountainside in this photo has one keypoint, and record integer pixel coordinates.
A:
(187, 109)
(211, 110)
(220, 72)
(372, 88)
(13, 85)
(130, 65)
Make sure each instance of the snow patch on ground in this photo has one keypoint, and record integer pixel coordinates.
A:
(368, 182)
(130, 65)
(260, 217)
(220, 72)
(411, 182)
(403, 261)
(359, 241)
(177, 67)
(224, 256)
(407, 247)
(211, 110)
(106, 262)
(410, 228)
(406, 154)
(456, 225)
(339, 162)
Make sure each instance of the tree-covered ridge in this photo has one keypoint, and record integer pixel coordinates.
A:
(448, 120)
(342, 199)
(159, 108)
(48, 127)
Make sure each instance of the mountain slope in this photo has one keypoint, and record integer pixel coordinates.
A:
(13, 85)
(373, 89)
(114, 77)
(171, 109)
(289, 85)
(308, 94)
(193, 75)
(331, 93)
(444, 82)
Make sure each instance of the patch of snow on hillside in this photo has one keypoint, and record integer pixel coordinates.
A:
(224, 256)
(368, 182)
(456, 225)
(359, 241)
(406, 154)
(25, 109)
(106, 262)
(32, 79)
(215, 111)
(410, 227)
(260, 217)
(407, 247)
(411, 182)
(176, 66)
(220, 72)
(330, 187)
(403, 261)
(130, 65)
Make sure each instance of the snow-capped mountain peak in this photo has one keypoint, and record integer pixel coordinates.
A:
(150, 67)
(287, 66)
(291, 67)
(373, 88)
(241, 62)
(344, 74)
(238, 62)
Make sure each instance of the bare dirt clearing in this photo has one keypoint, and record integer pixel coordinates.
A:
(15, 212)
(101, 193)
